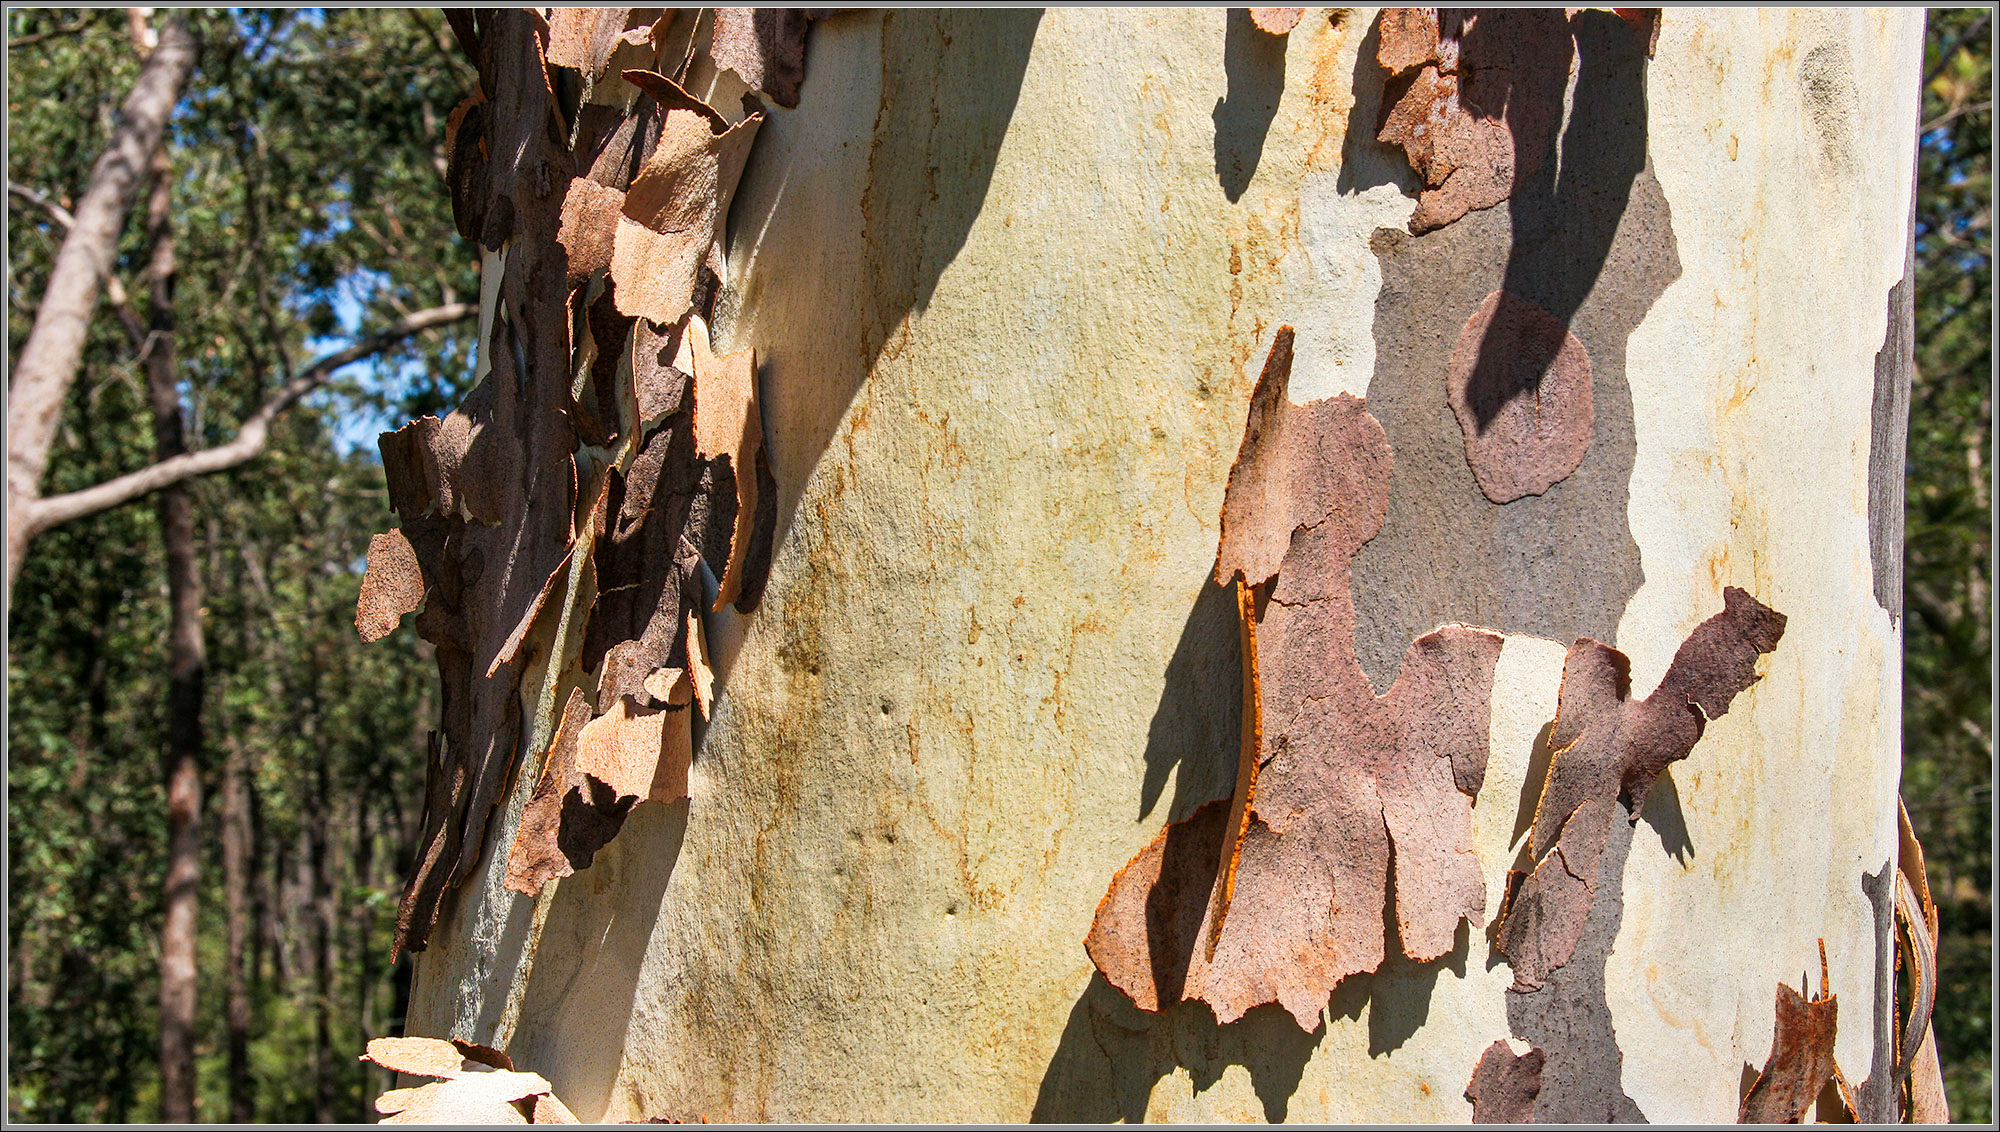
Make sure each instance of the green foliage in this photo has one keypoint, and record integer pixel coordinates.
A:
(1948, 644)
(308, 203)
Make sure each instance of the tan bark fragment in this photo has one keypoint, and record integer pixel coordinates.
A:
(1276, 21)
(702, 679)
(766, 47)
(638, 752)
(392, 586)
(584, 38)
(674, 209)
(727, 423)
(418, 1057)
(485, 1097)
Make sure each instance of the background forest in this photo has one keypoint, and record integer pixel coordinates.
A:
(304, 209)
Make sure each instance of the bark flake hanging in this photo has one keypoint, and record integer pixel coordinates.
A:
(1280, 894)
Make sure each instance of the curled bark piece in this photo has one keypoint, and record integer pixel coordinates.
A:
(1276, 21)
(1800, 1062)
(1283, 892)
(473, 1098)
(1504, 1085)
(1609, 747)
(638, 752)
(1520, 387)
(728, 424)
(393, 586)
(766, 47)
(673, 212)
(417, 1057)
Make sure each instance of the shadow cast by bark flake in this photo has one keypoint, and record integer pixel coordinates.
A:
(1112, 1055)
(1254, 62)
(580, 993)
(1662, 812)
(1397, 995)
(1195, 730)
(1565, 211)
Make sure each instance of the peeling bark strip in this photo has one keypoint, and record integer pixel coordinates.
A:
(1607, 749)
(607, 439)
(1340, 776)
(1504, 1085)
(1801, 1059)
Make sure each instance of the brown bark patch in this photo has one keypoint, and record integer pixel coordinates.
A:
(1276, 21)
(1504, 1085)
(1520, 387)
(1473, 97)
(393, 586)
(1341, 777)
(1608, 747)
(1800, 1063)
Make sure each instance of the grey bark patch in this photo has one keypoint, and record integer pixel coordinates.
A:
(1826, 82)
(1875, 1101)
(1586, 235)
(1569, 1017)
(1888, 440)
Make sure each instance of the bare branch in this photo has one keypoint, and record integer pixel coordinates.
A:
(52, 33)
(114, 287)
(1948, 115)
(1948, 54)
(48, 360)
(250, 440)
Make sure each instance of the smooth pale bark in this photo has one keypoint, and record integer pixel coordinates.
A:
(47, 364)
(1009, 289)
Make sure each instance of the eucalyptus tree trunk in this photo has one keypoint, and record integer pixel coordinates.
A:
(1340, 567)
